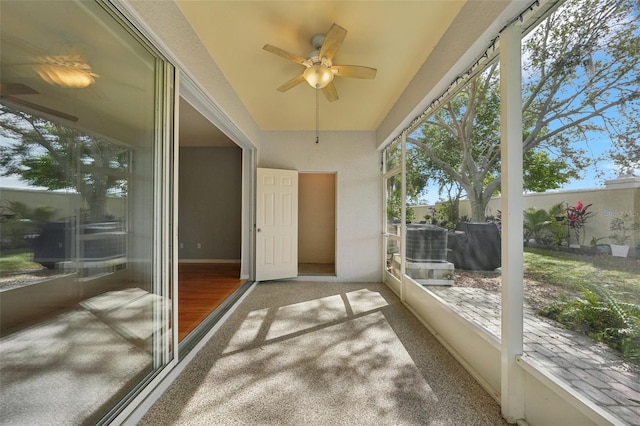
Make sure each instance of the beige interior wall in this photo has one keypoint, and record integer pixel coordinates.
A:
(316, 217)
(210, 204)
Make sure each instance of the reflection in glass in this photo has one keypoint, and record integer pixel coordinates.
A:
(42, 153)
(83, 318)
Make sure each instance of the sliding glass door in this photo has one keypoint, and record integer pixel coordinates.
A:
(85, 140)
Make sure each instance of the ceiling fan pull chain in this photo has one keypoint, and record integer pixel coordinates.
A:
(317, 116)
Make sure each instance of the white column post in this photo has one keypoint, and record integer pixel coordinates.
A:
(512, 377)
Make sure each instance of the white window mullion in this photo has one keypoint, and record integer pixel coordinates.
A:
(403, 214)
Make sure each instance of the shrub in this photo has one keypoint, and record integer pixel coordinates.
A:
(536, 225)
(577, 217)
(598, 315)
(544, 226)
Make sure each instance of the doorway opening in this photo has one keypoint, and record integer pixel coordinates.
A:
(317, 224)
(209, 223)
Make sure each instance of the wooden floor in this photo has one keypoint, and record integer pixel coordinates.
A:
(201, 288)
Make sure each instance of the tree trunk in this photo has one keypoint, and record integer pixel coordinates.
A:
(98, 209)
(478, 207)
(96, 198)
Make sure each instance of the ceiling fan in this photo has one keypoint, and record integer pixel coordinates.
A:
(320, 70)
(8, 90)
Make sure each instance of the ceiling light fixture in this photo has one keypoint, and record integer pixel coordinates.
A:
(318, 76)
(65, 71)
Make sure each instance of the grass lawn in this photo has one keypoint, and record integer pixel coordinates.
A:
(572, 272)
(12, 261)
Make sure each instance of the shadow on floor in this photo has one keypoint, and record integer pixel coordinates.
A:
(323, 353)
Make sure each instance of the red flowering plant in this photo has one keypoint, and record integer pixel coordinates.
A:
(577, 217)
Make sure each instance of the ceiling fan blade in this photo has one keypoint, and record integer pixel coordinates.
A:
(291, 83)
(332, 41)
(36, 107)
(8, 89)
(330, 92)
(354, 71)
(286, 55)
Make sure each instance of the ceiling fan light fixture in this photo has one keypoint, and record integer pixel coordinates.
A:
(318, 76)
(66, 72)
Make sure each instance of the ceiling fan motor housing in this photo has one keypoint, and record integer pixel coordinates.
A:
(317, 40)
(314, 57)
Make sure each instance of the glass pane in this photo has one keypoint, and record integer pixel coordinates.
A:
(582, 212)
(453, 171)
(392, 156)
(394, 226)
(80, 309)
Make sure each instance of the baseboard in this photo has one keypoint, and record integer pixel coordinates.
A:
(209, 260)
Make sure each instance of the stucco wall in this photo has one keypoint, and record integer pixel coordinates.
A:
(354, 159)
(607, 203)
(65, 203)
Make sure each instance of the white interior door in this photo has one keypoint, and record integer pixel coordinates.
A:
(276, 224)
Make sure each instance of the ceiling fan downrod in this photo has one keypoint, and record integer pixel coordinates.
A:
(317, 116)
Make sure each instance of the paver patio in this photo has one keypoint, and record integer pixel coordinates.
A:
(596, 370)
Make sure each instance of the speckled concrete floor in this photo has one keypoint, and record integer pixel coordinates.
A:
(297, 353)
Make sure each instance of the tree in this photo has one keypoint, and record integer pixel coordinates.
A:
(53, 156)
(582, 67)
(542, 173)
(416, 179)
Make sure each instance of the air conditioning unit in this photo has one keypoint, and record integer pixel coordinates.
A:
(426, 243)
(426, 255)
